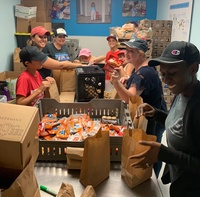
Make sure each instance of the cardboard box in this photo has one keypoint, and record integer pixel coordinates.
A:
(8, 176)
(67, 97)
(25, 12)
(24, 25)
(46, 25)
(40, 4)
(18, 130)
(44, 15)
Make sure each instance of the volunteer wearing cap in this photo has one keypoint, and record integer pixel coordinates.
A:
(144, 80)
(113, 53)
(85, 57)
(39, 39)
(56, 50)
(179, 64)
(30, 86)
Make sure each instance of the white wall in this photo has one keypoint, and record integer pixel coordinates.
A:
(97, 45)
(8, 40)
(195, 27)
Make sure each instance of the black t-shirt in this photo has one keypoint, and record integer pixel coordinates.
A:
(147, 79)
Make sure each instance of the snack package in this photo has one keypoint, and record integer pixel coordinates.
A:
(112, 64)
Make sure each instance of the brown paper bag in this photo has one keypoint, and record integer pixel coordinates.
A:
(95, 166)
(130, 146)
(67, 80)
(53, 92)
(88, 192)
(25, 184)
(66, 190)
(16, 55)
(74, 158)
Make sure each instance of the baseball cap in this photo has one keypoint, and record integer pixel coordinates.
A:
(112, 36)
(137, 43)
(31, 53)
(85, 52)
(176, 52)
(40, 31)
(60, 31)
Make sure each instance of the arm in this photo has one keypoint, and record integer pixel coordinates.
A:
(121, 90)
(98, 59)
(22, 100)
(52, 64)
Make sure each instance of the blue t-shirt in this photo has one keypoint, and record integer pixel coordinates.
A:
(147, 79)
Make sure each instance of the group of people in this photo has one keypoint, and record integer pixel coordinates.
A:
(179, 64)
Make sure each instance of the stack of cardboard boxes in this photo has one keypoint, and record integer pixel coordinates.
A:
(43, 15)
(19, 150)
(161, 37)
(33, 13)
(161, 34)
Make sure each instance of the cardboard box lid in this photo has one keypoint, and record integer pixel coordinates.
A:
(18, 130)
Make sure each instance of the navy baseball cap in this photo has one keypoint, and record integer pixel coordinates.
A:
(29, 53)
(137, 43)
(176, 52)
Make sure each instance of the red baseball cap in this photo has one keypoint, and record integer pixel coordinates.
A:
(112, 36)
(40, 31)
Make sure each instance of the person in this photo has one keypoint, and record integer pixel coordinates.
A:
(179, 64)
(125, 68)
(39, 39)
(144, 81)
(112, 53)
(85, 57)
(56, 50)
(30, 86)
(93, 11)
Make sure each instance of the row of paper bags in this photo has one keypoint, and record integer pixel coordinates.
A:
(94, 159)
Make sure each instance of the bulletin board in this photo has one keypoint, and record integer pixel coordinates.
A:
(180, 12)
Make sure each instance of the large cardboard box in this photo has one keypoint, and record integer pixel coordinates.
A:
(40, 4)
(18, 128)
(44, 15)
(46, 25)
(25, 12)
(8, 176)
(24, 25)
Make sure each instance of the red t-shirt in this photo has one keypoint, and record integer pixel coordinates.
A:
(109, 55)
(27, 84)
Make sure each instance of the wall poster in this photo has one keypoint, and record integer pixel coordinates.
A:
(134, 8)
(180, 12)
(93, 11)
(60, 9)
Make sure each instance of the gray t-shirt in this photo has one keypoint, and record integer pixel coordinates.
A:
(174, 132)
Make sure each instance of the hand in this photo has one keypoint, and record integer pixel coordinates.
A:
(124, 79)
(50, 79)
(76, 61)
(145, 110)
(115, 75)
(147, 158)
(44, 85)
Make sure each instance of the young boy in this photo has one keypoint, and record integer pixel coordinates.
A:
(30, 86)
